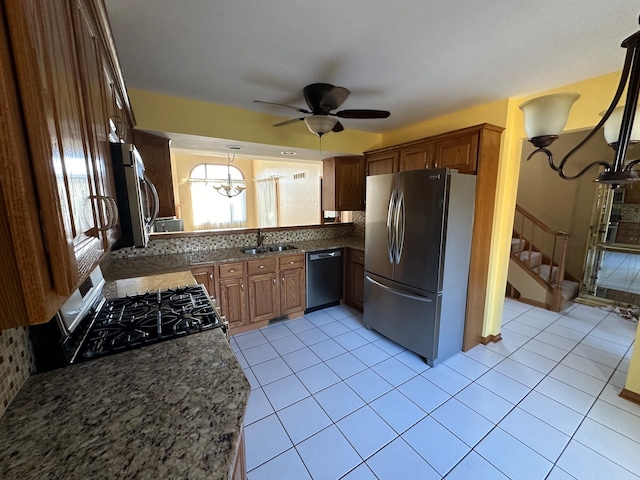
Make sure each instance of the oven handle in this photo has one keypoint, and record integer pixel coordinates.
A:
(155, 207)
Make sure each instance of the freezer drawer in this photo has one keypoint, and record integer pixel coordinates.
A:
(408, 316)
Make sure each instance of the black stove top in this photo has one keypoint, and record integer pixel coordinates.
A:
(134, 321)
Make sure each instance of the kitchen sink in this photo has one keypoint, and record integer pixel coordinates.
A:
(267, 249)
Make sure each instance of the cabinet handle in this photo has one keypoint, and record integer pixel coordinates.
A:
(262, 266)
(232, 270)
(242, 286)
(274, 280)
(283, 280)
(291, 262)
(211, 277)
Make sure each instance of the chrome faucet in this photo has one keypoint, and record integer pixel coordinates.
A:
(260, 237)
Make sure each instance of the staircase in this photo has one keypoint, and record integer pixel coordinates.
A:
(537, 264)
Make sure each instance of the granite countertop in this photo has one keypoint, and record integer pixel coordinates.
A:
(118, 268)
(170, 410)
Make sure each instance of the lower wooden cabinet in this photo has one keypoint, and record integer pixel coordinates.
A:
(252, 292)
(354, 284)
(204, 276)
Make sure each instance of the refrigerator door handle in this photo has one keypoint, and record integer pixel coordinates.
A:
(390, 229)
(398, 292)
(399, 227)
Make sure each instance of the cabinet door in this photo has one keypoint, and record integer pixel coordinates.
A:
(417, 157)
(46, 62)
(204, 276)
(380, 163)
(460, 153)
(157, 161)
(355, 279)
(96, 94)
(263, 297)
(233, 301)
(343, 183)
(292, 291)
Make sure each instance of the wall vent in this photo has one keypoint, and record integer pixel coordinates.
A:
(298, 176)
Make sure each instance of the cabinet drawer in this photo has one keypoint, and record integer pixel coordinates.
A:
(287, 262)
(231, 270)
(261, 265)
(357, 256)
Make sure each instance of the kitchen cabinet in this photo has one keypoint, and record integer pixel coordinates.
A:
(459, 153)
(292, 284)
(417, 156)
(205, 276)
(231, 293)
(354, 274)
(628, 232)
(59, 212)
(264, 301)
(381, 162)
(157, 162)
(343, 183)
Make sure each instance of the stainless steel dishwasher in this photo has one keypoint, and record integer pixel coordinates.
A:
(324, 278)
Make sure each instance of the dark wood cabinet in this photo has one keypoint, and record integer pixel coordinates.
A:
(205, 276)
(56, 57)
(157, 162)
(417, 156)
(354, 282)
(381, 162)
(459, 153)
(292, 284)
(231, 294)
(343, 183)
(628, 232)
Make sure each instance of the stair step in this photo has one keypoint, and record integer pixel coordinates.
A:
(569, 290)
(531, 259)
(517, 244)
(543, 271)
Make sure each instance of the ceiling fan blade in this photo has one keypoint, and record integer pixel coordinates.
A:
(337, 127)
(288, 122)
(362, 114)
(301, 110)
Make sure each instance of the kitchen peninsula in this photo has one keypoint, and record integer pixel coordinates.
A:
(170, 410)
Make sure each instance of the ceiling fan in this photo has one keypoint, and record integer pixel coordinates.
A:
(322, 98)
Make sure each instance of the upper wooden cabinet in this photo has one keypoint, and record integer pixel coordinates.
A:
(417, 156)
(56, 58)
(343, 183)
(459, 150)
(157, 162)
(380, 162)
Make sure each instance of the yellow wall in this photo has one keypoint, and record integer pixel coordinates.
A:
(633, 377)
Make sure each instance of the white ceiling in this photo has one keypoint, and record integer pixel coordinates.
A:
(418, 59)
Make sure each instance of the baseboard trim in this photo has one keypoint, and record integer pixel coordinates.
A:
(631, 396)
(491, 339)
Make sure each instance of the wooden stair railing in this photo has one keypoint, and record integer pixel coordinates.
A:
(538, 242)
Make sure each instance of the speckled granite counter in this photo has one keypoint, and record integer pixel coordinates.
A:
(169, 410)
(117, 268)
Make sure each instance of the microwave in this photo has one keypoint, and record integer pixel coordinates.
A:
(136, 196)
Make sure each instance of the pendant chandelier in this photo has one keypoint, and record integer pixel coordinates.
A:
(228, 187)
(545, 118)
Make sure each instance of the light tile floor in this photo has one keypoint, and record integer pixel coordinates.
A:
(333, 400)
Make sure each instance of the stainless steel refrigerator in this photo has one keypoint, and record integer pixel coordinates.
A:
(417, 251)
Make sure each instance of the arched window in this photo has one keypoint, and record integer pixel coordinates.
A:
(212, 209)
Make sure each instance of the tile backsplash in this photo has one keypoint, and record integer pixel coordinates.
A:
(16, 363)
(159, 246)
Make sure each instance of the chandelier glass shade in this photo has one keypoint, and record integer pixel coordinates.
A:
(545, 117)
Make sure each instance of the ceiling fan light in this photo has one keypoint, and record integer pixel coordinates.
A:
(320, 124)
(547, 115)
(612, 126)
